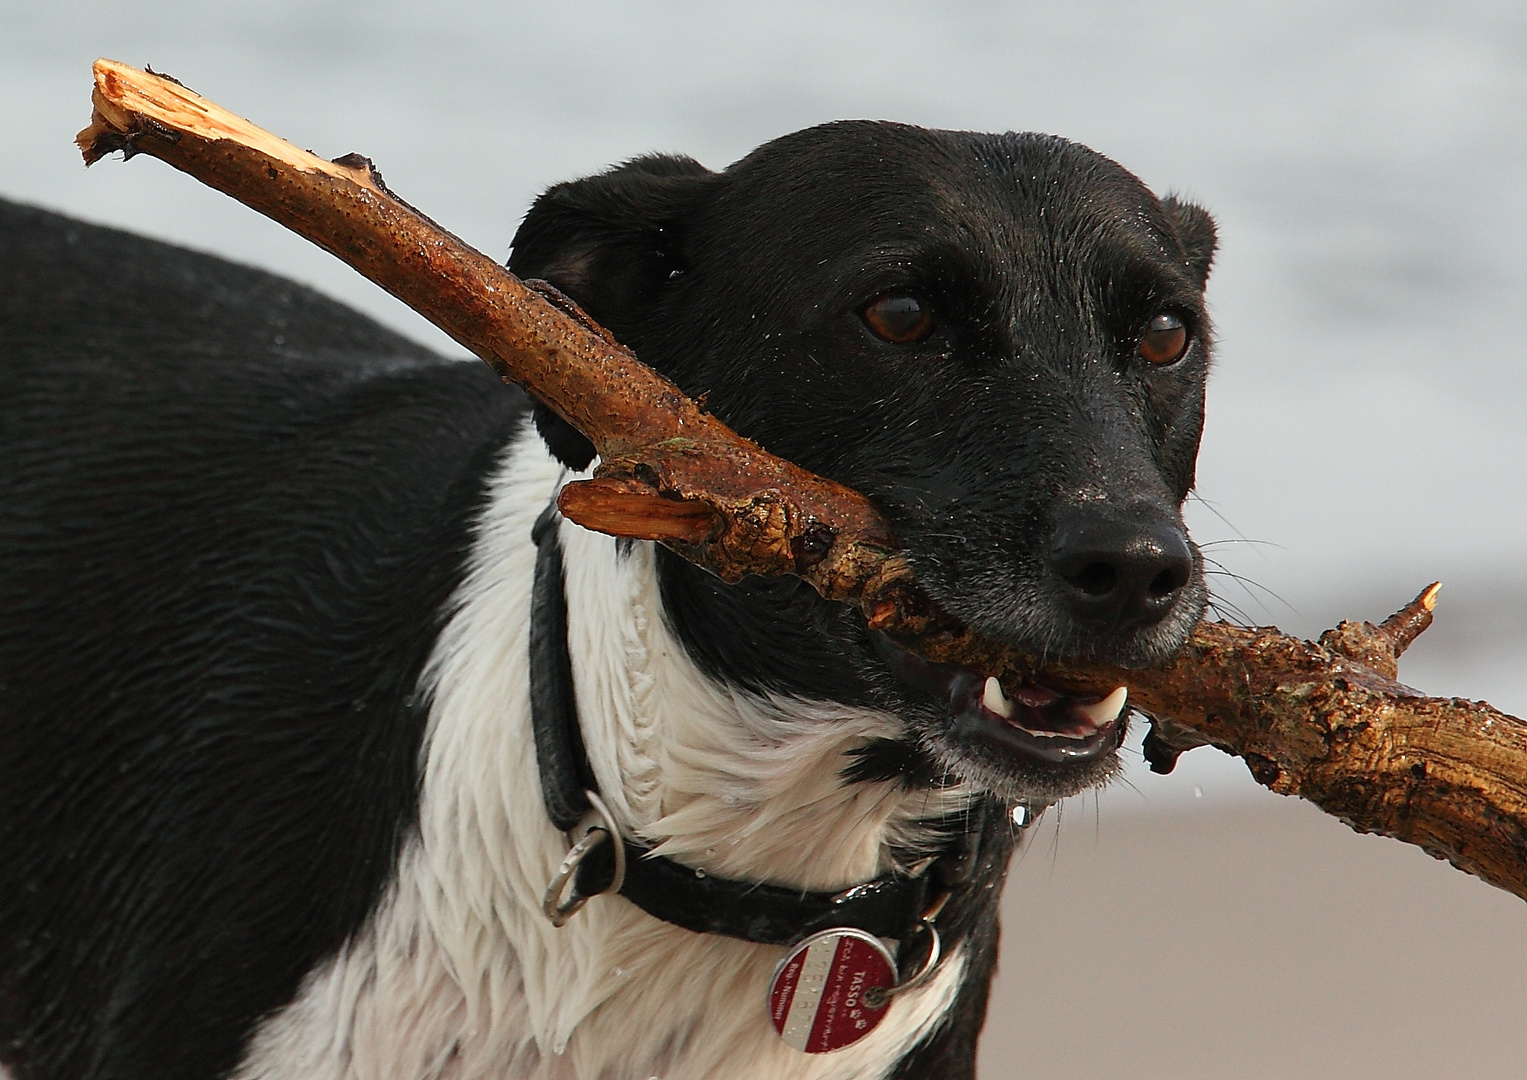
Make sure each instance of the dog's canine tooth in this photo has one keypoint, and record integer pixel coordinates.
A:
(995, 700)
(1108, 709)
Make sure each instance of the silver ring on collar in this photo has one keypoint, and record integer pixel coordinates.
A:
(880, 996)
(593, 829)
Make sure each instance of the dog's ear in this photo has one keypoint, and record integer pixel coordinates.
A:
(1195, 231)
(611, 242)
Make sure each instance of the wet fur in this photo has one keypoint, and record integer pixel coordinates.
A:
(267, 799)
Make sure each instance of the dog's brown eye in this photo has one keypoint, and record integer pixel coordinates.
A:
(1164, 341)
(898, 318)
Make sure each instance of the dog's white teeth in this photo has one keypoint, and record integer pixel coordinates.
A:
(995, 700)
(1108, 709)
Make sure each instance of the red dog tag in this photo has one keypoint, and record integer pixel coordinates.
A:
(816, 998)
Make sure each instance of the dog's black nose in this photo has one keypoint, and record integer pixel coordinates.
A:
(1121, 567)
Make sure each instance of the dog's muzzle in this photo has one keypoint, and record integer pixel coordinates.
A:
(1039, 723)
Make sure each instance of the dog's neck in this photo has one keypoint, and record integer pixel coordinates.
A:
(736, 783)
(459, 960)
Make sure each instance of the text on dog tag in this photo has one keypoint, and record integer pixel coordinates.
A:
(816, 998)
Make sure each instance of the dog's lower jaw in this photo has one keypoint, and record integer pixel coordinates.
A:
(1045, 747)
(458, 974)
(1036, 787)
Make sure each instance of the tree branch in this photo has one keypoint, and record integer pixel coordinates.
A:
(1324, 721)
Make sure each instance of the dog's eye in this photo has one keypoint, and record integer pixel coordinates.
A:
(1164, 340)
(898, 318)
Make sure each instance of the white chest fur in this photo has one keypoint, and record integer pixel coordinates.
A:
(458, 975)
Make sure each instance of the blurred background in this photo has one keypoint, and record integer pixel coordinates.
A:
(1365, 162)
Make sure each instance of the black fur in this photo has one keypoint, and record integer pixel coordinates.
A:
(232, 512)
(1043, 261)
(224, 563)
(970, 918)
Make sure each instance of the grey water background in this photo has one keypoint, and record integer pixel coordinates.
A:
(1365, 162)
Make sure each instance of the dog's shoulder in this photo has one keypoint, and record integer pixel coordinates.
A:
(227, 398)
(203, 460)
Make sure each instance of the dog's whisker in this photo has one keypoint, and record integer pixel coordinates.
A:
(1221, 607)
(1240, 537)
(1223, 542)
(1250, 586)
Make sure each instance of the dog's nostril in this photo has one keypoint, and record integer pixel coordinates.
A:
(1096, 579)
(1168, 582)
(1122, 568)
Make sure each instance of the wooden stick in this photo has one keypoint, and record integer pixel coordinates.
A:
(671, 471)
(1324, 721)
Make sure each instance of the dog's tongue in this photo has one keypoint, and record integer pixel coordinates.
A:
(1037, 721)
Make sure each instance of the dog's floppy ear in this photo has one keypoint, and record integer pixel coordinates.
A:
(1195, 230)
(610, 242)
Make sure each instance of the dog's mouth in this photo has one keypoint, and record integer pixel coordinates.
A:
(1038, 722)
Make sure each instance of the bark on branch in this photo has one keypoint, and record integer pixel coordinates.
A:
(1324, 721)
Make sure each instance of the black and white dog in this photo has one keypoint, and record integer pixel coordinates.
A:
(270, 800)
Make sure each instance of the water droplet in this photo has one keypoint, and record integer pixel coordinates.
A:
(710, 853)
(1023, 815)
(699, 872)
(1198, 793)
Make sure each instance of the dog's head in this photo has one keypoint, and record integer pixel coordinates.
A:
(1000, 339)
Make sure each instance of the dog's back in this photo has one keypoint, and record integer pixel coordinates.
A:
(203, 460)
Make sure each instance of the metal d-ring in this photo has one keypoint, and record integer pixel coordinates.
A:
(592, 829)
(878, 997)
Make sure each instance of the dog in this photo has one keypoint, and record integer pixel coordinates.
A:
(273, 799)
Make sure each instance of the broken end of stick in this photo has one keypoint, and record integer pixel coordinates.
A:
(112, 125)
(1407, 624)
(1428, 597)
(129, 105)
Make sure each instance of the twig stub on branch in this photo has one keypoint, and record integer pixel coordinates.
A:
(1380, 646)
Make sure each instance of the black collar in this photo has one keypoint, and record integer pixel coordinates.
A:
(890, 906)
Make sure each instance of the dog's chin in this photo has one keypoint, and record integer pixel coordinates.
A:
(1039, 746)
